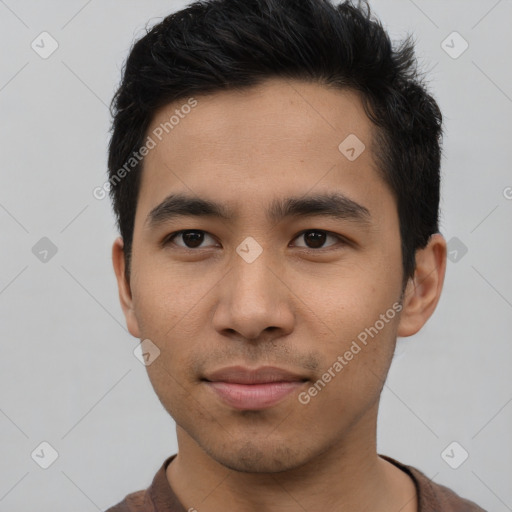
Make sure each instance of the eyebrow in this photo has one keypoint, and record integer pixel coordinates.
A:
(335, 205)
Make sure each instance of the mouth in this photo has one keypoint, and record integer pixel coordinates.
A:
(253, 389)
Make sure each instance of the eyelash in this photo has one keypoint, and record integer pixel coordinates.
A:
(169, 239)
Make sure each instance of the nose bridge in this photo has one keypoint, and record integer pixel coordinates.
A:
(253, 283)
(252, 298)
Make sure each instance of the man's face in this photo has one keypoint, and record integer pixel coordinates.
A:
(209, 300)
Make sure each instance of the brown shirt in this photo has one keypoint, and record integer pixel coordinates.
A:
(160, 497)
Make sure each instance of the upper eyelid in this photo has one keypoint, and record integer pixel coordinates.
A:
(168, 238)
(175, 234)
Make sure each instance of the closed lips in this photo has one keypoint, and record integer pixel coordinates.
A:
(262, 375)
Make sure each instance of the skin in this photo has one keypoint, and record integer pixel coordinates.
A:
(298, 306)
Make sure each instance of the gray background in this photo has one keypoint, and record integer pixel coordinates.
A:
(68, 375)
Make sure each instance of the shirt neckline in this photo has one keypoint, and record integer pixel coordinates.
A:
(163, 497)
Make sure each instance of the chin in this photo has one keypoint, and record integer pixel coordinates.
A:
(252, 457)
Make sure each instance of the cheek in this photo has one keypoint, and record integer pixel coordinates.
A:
(350, 298)
(165, 300)
(360, 313)
(352, 376)
(170, 311)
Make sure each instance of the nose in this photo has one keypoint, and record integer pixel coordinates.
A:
(254, 301)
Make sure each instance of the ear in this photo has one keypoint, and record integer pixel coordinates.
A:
(424, 289)
(125, 294)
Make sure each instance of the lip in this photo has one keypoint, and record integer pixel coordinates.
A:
(253, 389)
(261, 375)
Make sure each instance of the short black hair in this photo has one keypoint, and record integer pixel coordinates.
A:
(215, 45)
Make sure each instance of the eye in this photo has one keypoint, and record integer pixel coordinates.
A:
(194, 238)
(316, 238)
(191, 238)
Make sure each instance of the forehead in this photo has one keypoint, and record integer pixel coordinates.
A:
(273, 112)
(250, 144)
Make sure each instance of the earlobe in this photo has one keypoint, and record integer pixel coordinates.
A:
(125, 293)
(424, 289)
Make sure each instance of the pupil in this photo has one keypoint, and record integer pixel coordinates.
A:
(315, 239)
(193, 238)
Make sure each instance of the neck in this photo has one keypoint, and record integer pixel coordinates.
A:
(349, 477)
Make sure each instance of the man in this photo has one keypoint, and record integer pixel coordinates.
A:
(274, 168)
